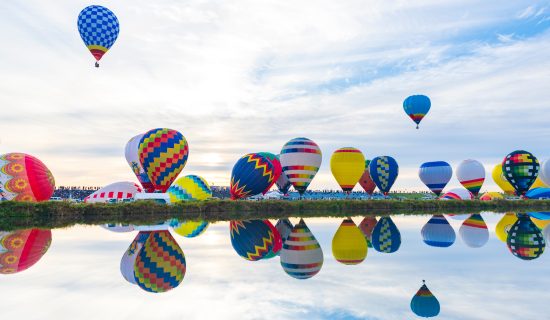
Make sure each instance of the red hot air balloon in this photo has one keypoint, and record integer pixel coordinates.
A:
(24, 178)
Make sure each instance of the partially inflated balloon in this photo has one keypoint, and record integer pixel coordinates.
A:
(500, 180)
(488, 196)
(189, 188)
(251, 175)
(301, 256)
(366, 181)
(129, 258)
(473, 231)
(471, 174)
(131, 152)
(301, 159)
(191, 229)
(416, 107)
(277, 169)
(538, 193)
(366, 226)
(385, 236)
(457, 194)
(163, 154)
(347, 166)
(24, 178)
(383, 171)
(437, 232)
(435, 175)
(520, 168)
(424, 303)
(252, 239)
(544, 173)
(525, 240)
(20, 250)
(118, 191)
(348, 244)
(160, 265)
(504, 225)
(98, 28)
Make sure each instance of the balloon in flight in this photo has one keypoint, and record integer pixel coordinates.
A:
(20, 250)
(366, 181)
(416, 107)
(98, 28)
(437, 232)
(385, 236)
(251, 175)
(24, 178)
(424, 304)
(435, 175)
(301, 256)
(348, 244)
(189, 188)
(520, 168)
(471, 174)
(525, 240)
(500, 180)
(474, 232)
(347, 166)
(300, 159)
(383, 171)
(114, 192)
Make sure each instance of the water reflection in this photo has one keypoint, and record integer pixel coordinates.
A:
(20, 250)
(437, 232)
(349, 245)
(424, 303)
(385, 236)
(474, 232)
(301, 256)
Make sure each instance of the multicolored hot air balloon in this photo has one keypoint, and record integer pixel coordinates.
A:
(525, 240)
(277, 241)
(347, 166)
(20, 250)
(435, 175)
(474, 232)
(252, 239)
(424, 304)
(488, 196)
(437, 232)
(118, 191)
(471, 174)
(383, 171)
(538, 193)
(366, 181)
(163, 154)
(131, 152)
(385, 236)
(277, 168)
(129, 258)
(348, 244)
(416, 107)
(520, 168)
(544, 172)
(160, 265)
(500, 180)
(189, 188)
(24, 178)
(301, 159)
(251, 175)
(538, 182)
(301, 256)
(540, 219)
(98, 28)
(457, 194)
(504, 225)
(366, 226)
(191, 229)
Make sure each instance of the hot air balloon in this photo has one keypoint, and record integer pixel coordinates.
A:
(473, 231)
(437, 232)
(538, 183)
(504, 225)
(301, 159)
(131, 152)
(251, 175)
(284, 226)
(525, 240)
(383, 171)
(160, 265)
(117, 192)
(252, 239)
(190, 187)
(366, 226)
(385, 236)
(347, 166)
(348, 244)
(277, 241)
(538, 193)
(129, 258)
(191, 229)
(457, 194)
(520, 168)
(424, 304)
(24, 178)
(366, 181)
(435, 175)
(488, 196)
(163, 154)
(98, 28)
(540, 219)
(301, 256)
(500, 180)
(20, 250)
(118, 227)
(416, 107)
(277, 169)
(547, 233)
(544, 172)
(471, 174)
(283, 184)
(541, 224)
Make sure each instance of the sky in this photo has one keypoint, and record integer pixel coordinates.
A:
(79, 277)
(247, 76)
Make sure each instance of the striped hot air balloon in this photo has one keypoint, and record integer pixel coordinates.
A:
(24, 178)
(525, 240)
(252, 239)
(521, 169)
(385, 236)
(435, 175)
(457, 194)
(189, 188)
(424, 304)
(347, 166)
(366, 180)
(348, 244)
(383, 171)
(118, 191)
(437, 232)
(191, 229)
(21, 249)
(416, 107)
(251, 175)
(277, 168)
(301, 159)
(98, 28)
(471, 174)
(474, 232)
(301, 256)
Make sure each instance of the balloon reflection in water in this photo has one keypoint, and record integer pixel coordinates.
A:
(277, 241)
(488, 196)
(366, 226)
(301, 256)
(191, 229)
(252, 239)
(437, 232)
(284, 226)
(385, 236)
(504, 225)
(348, 244)
(424, 303)
(118, 227)
(525, 240)
(474, 232)
(129, 258)
(547, 233)
(20, 250)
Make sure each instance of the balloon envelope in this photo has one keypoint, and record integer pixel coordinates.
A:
(416, 107)
(538, 183)
(98, 28)
(544, 173)
(117, 191)
(474, 232)
(366, 226)
(525, 240)
(547, 233)
(131, 152)
(538, 193)
(191, 229)
(129, 258)
(20, 250)
(252, 239)
(251, 175)
(277, 169)
(366, 180)
(520, 168)
(189, 188)
(24, 178)
(424, 303)
(301, 256)
(471, 174)
(435, 175)
(301, 159)
(488, 196)
(385, 236)
(348, 244)
(118, 227)
(457, 194)
(383, 171)
(347, 166)
(284, 226)
(504, 225)
(500, 180)
(437, 232)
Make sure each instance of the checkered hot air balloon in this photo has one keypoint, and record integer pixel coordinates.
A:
(251, 175)
(521, 169)
(301, 159)
(385, 236)
(163, 154)
(416, 107)
(424, 304)
(383, 171)
(98, 28)
(189, 188)
(252, 239)
(24, 178)
(525, 240)
(435, 175)
(301, 256)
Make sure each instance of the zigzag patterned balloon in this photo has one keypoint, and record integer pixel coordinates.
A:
(383, 171)
(190, 187)
(98, 28)
(252, 239)
(251, 175)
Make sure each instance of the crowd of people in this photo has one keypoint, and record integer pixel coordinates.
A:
(72, 192)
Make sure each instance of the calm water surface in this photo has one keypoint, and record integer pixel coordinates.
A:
(79, 277)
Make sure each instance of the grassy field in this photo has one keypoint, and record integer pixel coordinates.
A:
(16, 215)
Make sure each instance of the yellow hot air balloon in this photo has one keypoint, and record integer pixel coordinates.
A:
(538, 184)
(504, 225)
(347, 166)
(349, 245)
(541, 224)
(501, 181)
